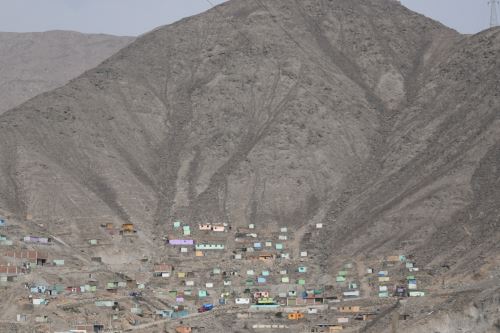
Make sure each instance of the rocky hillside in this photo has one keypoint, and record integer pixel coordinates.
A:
(33, 63)
(359, 114)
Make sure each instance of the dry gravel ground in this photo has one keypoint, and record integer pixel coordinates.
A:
(379, 122)
(34, 63)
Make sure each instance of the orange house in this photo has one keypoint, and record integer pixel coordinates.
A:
(128, 228)
(183, 329)
(295, 316)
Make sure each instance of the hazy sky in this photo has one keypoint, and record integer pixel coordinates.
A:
(134, 17)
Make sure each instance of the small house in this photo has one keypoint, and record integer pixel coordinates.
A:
(198, 253)
(209, 246)
(340, 279)
(295, 316)
(282, 237)
(384, 279)
(128, 228)
(261, 279)
(301, 282)
(238, 256)
(302, 269)
(209, 285)
(250, 272)
(58, 262)
(350, 309)
(3, 222)
(227, 282)
(218, 228)
(285, 279)
(107, 304)
(35, 257)
(205, 227)
(184, 250)
(37, 240)
(177, 224)
(189, 283)
(303, 254)
(284, 230)
(257, 246)
(183, 329)
(181, 242)
(186, 230)
(162, 270)
(319, 225)
(266, 256)
(40, 301)
(202, 293)
(393, 259)
(240, 301)
(417, 294)
(279, 246)
(93, 242)
(266, 273)
(261, 294)
(351, 294)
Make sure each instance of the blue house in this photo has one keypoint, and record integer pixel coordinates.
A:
(3, 222)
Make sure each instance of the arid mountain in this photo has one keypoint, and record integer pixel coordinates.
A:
(33, 63)
(359, 114)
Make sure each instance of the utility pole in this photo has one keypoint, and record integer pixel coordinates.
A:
(493, 16)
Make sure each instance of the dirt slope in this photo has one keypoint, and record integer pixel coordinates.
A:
(33, 63)
(378, 122)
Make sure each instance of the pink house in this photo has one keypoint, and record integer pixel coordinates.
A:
(218, 228)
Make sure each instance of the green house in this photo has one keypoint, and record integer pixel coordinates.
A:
(342, 273)
(249, 282)
(301, 282)
(216, 270)
(202, 293)
(383, 294)
(340, 279)
(186, 230)
(279, 246)
(302, 269)
(58, 262)
(265, 273)
(172, 293)
(353, 285)
(177, 224)
(410, 277)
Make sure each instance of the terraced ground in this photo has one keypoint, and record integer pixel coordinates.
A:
(359, 114)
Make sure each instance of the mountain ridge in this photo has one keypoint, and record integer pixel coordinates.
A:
(375, 121)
